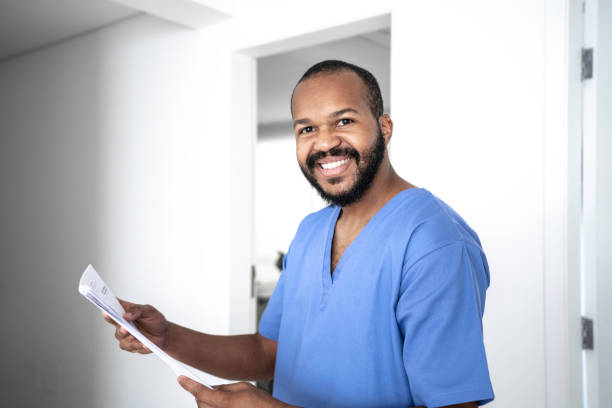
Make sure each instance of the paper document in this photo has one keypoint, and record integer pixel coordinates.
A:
(97, 292)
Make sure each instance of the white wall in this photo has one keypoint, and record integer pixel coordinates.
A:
(111, 155)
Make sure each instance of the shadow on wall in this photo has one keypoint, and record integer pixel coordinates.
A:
(50, 210)
(86, 176)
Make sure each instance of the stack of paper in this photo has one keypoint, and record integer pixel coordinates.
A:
(97, 292)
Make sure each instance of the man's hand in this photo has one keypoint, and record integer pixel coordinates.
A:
(236, 395)
(149, 321)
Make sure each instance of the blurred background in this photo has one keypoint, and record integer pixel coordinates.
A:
(152, 139)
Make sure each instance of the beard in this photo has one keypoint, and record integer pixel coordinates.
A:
(367, 167)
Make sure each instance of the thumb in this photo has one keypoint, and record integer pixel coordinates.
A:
(203, 394)
(194, 387)
(134, 312)
(126, 305)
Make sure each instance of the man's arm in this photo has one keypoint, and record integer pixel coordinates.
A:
(248, 357)
(245, 357)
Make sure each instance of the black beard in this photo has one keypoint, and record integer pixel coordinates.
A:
(366, 170)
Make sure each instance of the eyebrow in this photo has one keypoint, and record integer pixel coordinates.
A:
(342, 112)
(335, 114)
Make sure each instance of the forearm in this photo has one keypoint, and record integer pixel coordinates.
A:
(242, 357)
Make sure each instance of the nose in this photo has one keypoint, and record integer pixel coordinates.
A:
(326, 139)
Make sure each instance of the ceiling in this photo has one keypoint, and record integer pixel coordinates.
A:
(26, 25)
(29, 24)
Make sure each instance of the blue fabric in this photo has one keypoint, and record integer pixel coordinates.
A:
(398, 324)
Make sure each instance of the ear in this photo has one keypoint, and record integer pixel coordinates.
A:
(386, 127)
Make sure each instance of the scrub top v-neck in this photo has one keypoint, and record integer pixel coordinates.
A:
(398, 323)
(328, 278)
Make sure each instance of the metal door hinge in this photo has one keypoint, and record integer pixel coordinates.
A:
(253, 277)
(587, 334)
(587, 63)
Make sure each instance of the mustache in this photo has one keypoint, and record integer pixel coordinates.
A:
(336, 151)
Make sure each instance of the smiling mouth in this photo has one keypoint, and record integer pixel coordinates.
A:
(333, 165)
(334, 168)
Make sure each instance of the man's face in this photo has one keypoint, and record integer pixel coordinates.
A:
(339, 143)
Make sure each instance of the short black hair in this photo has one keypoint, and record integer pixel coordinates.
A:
(331, 66)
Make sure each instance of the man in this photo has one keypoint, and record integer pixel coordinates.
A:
(381, 298)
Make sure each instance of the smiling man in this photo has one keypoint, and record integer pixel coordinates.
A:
(381, 298)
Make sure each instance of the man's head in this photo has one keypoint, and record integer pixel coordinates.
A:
(341, 131)
(374, 96)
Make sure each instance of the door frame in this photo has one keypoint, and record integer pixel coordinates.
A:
(596, 200)
(562, 192)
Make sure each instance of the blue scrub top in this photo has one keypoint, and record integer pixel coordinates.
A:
(398, 324)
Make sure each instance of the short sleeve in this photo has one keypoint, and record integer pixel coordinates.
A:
(271, 318)
(439, 312)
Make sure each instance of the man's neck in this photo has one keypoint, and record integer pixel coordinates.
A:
(386, 185)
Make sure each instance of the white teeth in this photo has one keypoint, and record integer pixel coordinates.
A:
(333, 165)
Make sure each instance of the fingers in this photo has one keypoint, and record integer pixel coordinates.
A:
(109, 319)
(129, 343)
(126, 305)
(140, 349)
(133, 346)
(191, 386)
(134, 314)
(126, 340)
(202, 393)
(143, 349)
(133, 311)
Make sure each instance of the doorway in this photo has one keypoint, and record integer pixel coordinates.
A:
(282, 196)
(264, 133)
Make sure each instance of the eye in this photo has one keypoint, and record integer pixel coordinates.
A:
(306, 129)
(345, 121)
